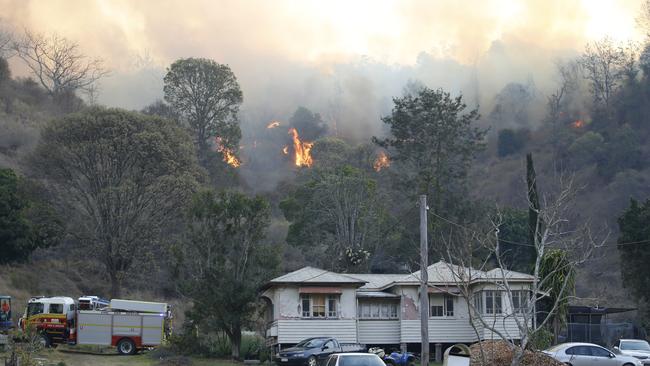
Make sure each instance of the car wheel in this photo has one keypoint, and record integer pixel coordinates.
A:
(126, 346)
(627, 364)
(311, 361)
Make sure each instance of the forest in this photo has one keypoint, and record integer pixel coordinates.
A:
(181, 200)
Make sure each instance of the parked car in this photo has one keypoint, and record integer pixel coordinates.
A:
(633, 347)
(314, 351)
(354, 359)
(588, 354)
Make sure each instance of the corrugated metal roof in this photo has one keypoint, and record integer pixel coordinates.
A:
(376, 281)
(315, 275)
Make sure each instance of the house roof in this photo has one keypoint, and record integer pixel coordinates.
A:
(444, 273)
(316, 275)
(376, 281)
(439, 273)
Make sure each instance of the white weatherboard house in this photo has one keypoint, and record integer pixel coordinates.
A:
(382, 309)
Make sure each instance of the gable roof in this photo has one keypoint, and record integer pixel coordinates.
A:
(443, 272)
(439, 273)
(376, 281)
(316, 275)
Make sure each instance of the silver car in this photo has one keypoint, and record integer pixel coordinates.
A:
(354, 359)
(588, 354)
(633, 347)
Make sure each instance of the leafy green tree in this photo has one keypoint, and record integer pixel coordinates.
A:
(25, 223)
(207, 96)
(558, 275)
(432, 134)
(309, 125)
(224, 261)
(634, 249)
(337, 211)
(121, 179)
(513, 237)
(587, 148)
(511, 141)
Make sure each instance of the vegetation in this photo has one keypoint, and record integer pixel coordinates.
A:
(633, 248)
(121, 179)
(224, 261)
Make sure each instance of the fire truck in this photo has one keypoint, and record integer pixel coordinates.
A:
(125, 324)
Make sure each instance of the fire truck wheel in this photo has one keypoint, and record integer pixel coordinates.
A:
(126, 346)
(45, 340)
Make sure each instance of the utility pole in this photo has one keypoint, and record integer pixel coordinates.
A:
(424, 279)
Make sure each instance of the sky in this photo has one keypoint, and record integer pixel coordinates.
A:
(342, 58)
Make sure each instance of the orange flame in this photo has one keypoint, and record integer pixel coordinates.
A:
(301, 149)
(578, 124)
(285, 150)
(381, 162)
(273, 124)
(228, 156)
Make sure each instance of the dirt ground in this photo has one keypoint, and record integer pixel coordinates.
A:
(61, 357)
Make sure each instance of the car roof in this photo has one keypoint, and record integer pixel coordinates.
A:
(355, 354)
(635, 340)
(572, 344)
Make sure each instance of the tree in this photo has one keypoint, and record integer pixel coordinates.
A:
(338, 211)
(511, 141)
(560, 278)
(121, 179)
(432, 143)
(552, 272)
(207, 96)
(58, 65)
(633, 247)
(224, 260)
(606, 66)
(26, 221)
(309, 125)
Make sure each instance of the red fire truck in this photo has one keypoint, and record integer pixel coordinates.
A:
(125, 324)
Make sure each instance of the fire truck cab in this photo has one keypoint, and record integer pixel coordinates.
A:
(51, 317)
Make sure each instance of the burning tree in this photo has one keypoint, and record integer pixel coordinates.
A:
(207, 96)
(558, 252)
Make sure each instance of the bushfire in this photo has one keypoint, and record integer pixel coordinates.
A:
(578, 124)
(273, 124)
(228, 155)
(382, 161)
(301, 149)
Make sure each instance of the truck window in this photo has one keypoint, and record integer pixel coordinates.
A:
(56, 309)
(34, 308)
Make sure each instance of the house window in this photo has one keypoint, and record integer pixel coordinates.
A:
(377, 310)
(492, 302)
(319, 306)
(519, 301)
(441, 305)
(478, 302)
(449, 305)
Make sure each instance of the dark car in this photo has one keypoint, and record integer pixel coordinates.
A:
(313, 351)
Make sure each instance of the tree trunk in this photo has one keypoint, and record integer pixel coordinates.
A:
(235, 343)
(556, 329)
(116, 285)
(517, 356)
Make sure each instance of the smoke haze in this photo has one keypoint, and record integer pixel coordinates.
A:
(342, 59)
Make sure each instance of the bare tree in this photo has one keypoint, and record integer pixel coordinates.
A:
(606, 66)
(58, 64)
(553, 231)
(6, 39)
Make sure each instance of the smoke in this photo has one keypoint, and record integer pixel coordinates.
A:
(344, 60)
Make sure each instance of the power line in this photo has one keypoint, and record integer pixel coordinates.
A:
(532, 245)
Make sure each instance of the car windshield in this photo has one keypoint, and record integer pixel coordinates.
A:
(34, 308)
(635, 346)
(360, 360)
(311, 343)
